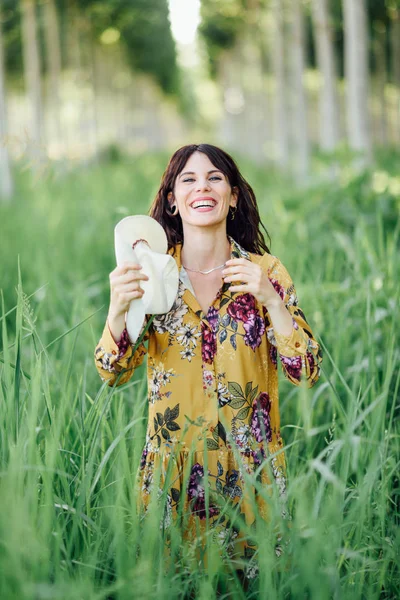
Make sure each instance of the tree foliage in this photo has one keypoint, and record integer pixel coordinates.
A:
(145, 31)
(143, 24)
(223, 21)
(220, 25)
(11, 23)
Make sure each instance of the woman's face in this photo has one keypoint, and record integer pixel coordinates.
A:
(202, 193)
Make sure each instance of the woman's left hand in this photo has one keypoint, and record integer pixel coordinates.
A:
(254, 281)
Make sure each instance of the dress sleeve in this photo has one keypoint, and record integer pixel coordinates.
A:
(111, 357)
(299, 352)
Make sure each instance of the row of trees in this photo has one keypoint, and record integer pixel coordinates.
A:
(261, 54)
(62, 56)
(292, 75)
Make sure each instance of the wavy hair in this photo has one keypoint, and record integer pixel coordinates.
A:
(245, 228)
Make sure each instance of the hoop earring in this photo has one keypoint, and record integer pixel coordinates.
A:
(233, 212)
(173, 211)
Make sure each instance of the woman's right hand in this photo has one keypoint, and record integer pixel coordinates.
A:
(125, 287)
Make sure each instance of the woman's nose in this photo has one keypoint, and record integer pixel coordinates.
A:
(203, 184)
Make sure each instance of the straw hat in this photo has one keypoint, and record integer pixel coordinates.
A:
(142, 240)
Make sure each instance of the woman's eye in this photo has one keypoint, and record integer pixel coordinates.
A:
(216, 177)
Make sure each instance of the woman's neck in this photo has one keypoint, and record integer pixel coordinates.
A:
(205, 249)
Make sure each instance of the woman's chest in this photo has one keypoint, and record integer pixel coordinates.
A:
(233, 328)
(206, 288)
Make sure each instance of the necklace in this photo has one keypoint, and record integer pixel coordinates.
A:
(204, 272)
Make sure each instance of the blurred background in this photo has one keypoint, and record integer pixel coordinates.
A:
(273, 80)
(95, 95)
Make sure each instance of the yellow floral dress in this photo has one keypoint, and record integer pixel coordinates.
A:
(213, 398)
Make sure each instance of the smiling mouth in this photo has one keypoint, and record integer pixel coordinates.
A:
(203, 204)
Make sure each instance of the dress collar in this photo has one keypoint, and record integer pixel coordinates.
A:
(236, 252)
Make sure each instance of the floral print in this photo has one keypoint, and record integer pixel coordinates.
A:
(273, 355)
(208, 378)
(260, 418)
(280, 290)
(187, 335)
(293, 365)
(170, 322)
(196, 493)
(242, 307)
(159, 377)
(123, 343)
(311, 359)
(209, 343)
(254, 328)
(213, 387)
(224, 395)
(213, 318)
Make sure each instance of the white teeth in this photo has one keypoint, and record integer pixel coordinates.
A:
(203, 203)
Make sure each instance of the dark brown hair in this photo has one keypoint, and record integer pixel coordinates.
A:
(244, 228)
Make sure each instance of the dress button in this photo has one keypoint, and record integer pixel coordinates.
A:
(114, 352)
(297, 344)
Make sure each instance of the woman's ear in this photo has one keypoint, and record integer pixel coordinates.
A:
(235, 196)
(169, 196)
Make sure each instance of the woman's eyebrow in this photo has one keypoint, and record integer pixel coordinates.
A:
(193, 173)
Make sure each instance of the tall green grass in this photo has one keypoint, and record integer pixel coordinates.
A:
(70, 445)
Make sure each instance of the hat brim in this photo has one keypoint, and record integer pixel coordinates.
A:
(138, 227)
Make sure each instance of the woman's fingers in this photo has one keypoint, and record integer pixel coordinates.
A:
(132, 276)
(237, 261)
(127, 273)
(244, 271)
(128, 287)
(123, 295)
(125, 286)
(248, 268)
(235, 279)
(238, 276)
(125, 268)
(130, 294)
(245, 265)
(239, 288)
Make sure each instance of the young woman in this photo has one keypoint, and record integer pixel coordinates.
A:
(212, 360)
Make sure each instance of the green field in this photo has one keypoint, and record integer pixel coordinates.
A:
(70, 445)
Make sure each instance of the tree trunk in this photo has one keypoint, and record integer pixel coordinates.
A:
(95, 95)
(32, 79)
(299, 99)
(252, 74)
(280, 111)
(395, 59)
(357, 81)
(244, 126)
(53, 57)
(75, 66)
(255, 97)
(233, 99)
(6, 182)
(381, 80)
(328, 101)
